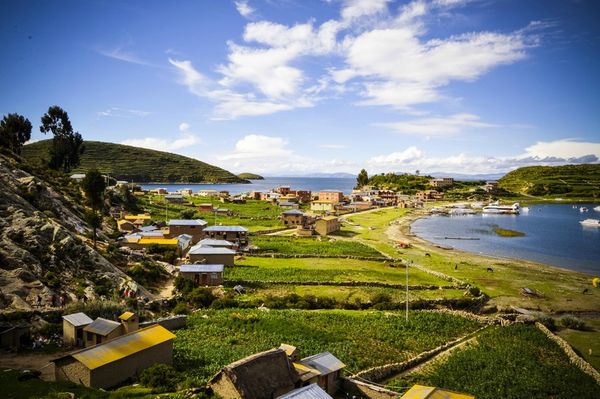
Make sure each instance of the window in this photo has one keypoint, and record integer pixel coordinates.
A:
(89, 336)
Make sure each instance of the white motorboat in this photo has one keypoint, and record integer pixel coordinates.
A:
(597, 208)
(583, 209)
(496, 208)
(590, 223)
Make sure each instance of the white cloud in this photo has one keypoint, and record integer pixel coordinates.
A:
(564, 149)
(333, 146)
(439, 126)
(353, 9)
(185, 140)
(244, 8)
(123, 112)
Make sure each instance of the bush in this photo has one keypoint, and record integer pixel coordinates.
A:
(183, 285)
(187, 214)
(180, 308)
(161, 378)
(201, 297)
(548, 322)
(573, 323)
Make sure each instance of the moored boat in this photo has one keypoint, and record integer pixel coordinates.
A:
(597, 208)
(590, 222)
(496, 208)
(583, 209)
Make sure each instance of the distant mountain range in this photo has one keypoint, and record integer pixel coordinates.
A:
(339, 175)
(456, 176)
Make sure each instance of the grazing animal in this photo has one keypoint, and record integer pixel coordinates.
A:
(456, 266)
(585, 291)
(489, 269)
(427, 254)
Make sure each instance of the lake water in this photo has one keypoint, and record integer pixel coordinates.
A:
(314, 184)
(553, 235)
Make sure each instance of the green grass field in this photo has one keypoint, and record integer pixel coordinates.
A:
(511, 362)
(360, 339)
(312, 246)
(585, 341)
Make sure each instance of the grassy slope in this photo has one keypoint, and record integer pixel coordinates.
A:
(138, 164)
(562, 181)
(250, 176)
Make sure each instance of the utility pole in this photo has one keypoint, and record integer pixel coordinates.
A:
(407, 265)
(166, 210)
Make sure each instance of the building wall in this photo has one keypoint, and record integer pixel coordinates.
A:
(195, 231)
(292, 220)
(232, 236)
(223, 259)
(218, 280)
(324, 227)
(114, 373)
(320, 206)
(70, 369)
(331, 196)
(69, 333)
(117, 332)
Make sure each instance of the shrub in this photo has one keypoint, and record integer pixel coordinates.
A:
(161, 378)
(187, 214)
(180, 308)
(548, 322)
(201, 297)
(573, 323)
(183, 285)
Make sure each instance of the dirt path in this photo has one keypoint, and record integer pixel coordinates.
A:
(166, 292)
(31, 361)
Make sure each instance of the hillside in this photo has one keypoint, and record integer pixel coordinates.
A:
(250, 176)
(140, 165)
(564, 181)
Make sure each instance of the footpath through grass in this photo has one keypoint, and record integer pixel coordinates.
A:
(512, 362)
(360, 339)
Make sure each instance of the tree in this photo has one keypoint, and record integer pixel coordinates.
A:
(15, 130)
(93, 185)
(94, 219)
(67, 145)
(362, 179)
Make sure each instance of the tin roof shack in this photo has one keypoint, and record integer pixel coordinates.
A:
(322, 206)
(13, 337)
(327, 225)
(73, 325)
(205, 207)
(174, 198)
(293, 217)
(211, 256)
(204, 275)
(209, 242)
(323, 369)
(125, 225)
(235, 234)
(312, 391)
(108, 364)
(101, 330)
(423, 392)
(193, 228)
(129, 322)
(263, 375)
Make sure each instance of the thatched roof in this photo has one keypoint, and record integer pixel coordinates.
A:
(262, 375)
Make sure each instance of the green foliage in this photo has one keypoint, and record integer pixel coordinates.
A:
(187, 214)
(565, 181)
(508, 233)
(147, 273)
(94, 220)
(310, 246)
(139, 164)
(405, 183)
(15, 130)
(250, 176)
(184, 285)
(180, 308)
(67, 145)
(201, 297)
(362, 179)
(573, 323)
(512, 362)
(106, 309)
(93, 185)
(161, 378)
(548, 322)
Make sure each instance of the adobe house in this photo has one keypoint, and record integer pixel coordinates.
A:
(193, 228)
(73, 325)
(209, 242)
(293, 217)
(205, 207)
(211, 255)
(235, 234)
(174, 198)
(322, 206)
(327, 225)
(13, 337)
(332, 195)
(203, 274)
(323, 369)
(266, 374)
(125, 225)
(129, 322)
(108, 364)
(101, 330)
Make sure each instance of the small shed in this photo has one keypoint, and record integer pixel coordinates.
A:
(266, 374)
(108, 364)
(101, 330)
(327, 225)
(312, 391)
(130, 322)
(211, 242)
(13, 337)
(73, 325)
(293, 217)
(329, 369)
(236, 234)
(211, 255)
(203, 274)
(423, 392)
(174, 198)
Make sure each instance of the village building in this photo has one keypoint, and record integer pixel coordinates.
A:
(187, 192)
(192, 227)
(359, 206)
(423, 392)
(109, 364)
(208, 193)
(203, 274)
(210, 255)
(124, 225)
(302, 195)
(205, 207)
(184, 242)
(174, 198)
(159, 191)
(14, 336)
(491, 186)
(331, 195)
(283, 190)
(327, 225)
(269, 196)
(429, 195)
(73, 325)
(101, 330)
(129, 322)
(312, 391)
(323, 369)
(322, 206)
(211, 242)
(288, 205)
(235, 234)
(266, 374)
(293, 217)
(254, 195)
(441, 182)
(139, 220)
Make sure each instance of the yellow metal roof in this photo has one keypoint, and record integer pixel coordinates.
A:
(289, 349)
(423, 392)
(138, 217)
(126, 315)
(120, 222)
(330, 218)
(159, 241)
(121, 347)
(305, 372)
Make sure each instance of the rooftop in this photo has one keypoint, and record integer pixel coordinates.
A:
(201, 268)
(102, 326)
(185, 222)
(157, 241)
(227, 228)
(126, 315)
(312, 391)
(324, 362)
(210, 242)
(78, 319)
(293, 212)
(202, 250)
(423, 392)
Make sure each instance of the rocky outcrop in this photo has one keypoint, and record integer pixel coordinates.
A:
(43, 250)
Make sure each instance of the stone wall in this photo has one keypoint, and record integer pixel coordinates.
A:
(292, 256)
(170, 323)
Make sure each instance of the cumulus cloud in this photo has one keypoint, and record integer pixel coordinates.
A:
(244, 8)
(185, 140)
(439, 126)
(123, 112)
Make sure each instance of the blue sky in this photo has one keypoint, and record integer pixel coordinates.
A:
(304, 86)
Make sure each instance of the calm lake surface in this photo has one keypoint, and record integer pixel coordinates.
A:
(296, 183)
(553, 235)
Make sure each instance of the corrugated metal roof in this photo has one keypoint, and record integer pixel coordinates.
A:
(226, 228)
(173, 196)
(159, 241)
(312, 391)
(305, 372)
(78, 319)
(324, 362)
(201, 268)
(102, 326)
(126, 315)
(423, 392)
(152, 233)
(148, 228)
(136, 217)
(210, 242)
(185, 222)
(293, 212)
(200, 250)
(123, 346)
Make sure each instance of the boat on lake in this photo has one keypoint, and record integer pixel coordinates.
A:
(597, 208)
(583, 209)
(590, 223)
(496, 208)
